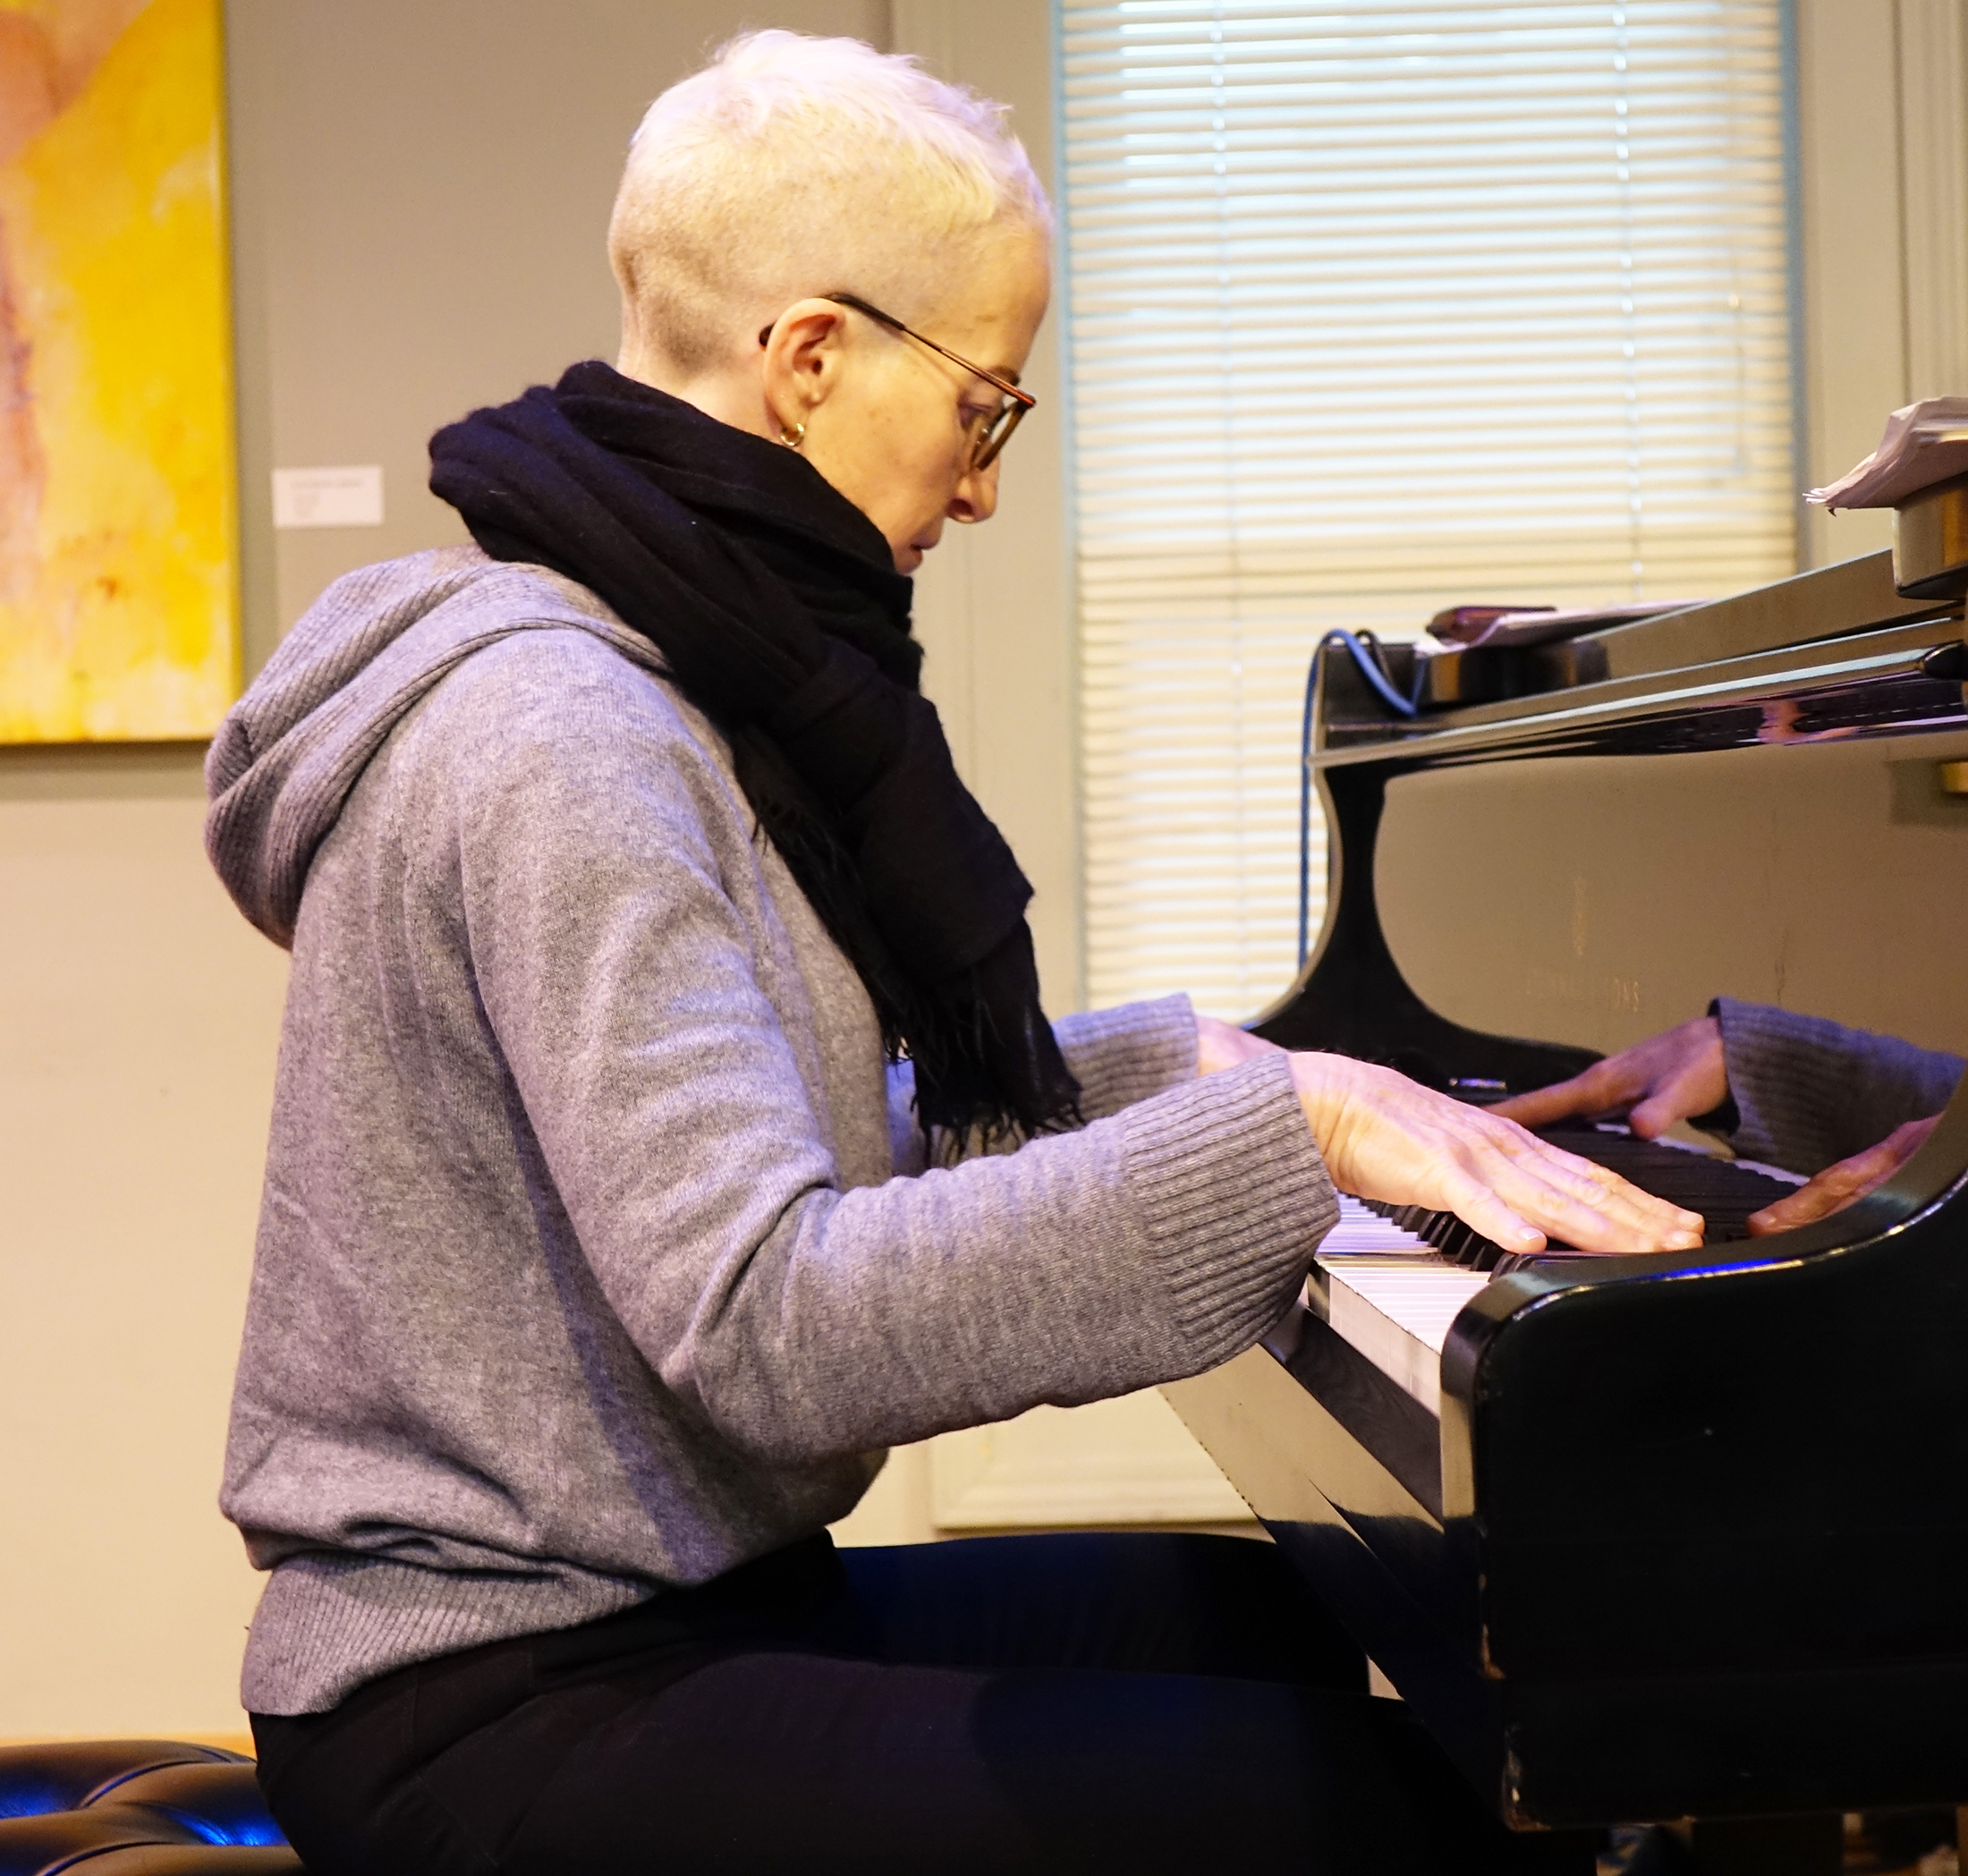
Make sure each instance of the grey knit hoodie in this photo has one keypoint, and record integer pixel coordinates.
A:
(596, 1253)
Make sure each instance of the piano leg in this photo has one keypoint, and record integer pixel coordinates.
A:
(1810, 1845)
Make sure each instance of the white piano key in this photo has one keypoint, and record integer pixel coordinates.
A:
(1392, 1297)
(1771, 1172)
(1360, 1232)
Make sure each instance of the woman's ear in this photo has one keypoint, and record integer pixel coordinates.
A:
(803, 363)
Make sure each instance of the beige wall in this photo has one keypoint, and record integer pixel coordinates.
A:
(137, 1021)
(418, 223)
(1883, 135)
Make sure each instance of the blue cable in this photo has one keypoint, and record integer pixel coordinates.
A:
(1366, 655)
(1305, 813)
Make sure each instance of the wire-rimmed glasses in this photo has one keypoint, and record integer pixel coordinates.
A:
(992, 434)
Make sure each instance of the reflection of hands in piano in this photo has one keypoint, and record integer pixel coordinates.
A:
(1387, 1138)
(1681, 1074)
(1838, 1185)
(1650, 1086)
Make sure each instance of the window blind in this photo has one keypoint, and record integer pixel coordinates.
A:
(1376, 308)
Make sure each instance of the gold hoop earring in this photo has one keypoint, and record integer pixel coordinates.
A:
(792, 438)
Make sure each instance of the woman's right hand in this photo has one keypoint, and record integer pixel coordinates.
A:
(1384, 1137)
(1672, 1076)
(1841, 1185)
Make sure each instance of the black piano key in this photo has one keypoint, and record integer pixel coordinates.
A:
(1462, 1245)
(1724, 1193)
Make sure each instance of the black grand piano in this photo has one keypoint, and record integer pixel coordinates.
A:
(1680, 1537)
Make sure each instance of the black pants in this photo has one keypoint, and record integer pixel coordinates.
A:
(1085, 1703)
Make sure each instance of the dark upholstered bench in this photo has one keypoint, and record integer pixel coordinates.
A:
(135, 1807)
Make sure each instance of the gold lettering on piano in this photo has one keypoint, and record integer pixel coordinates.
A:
(1584, 989)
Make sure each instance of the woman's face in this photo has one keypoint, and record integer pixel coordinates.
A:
(891, 424)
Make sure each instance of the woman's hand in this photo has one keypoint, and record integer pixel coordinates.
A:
(1222, 1045)
(1650, 1086)
(1838, 1185)
(1384, 1137)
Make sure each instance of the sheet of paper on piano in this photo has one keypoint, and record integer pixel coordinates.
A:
(1540, 625)
(1924, 442)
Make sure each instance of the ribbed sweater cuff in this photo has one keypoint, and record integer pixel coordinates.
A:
(1809, 1092)
(1763, 1051)
(1234, 1199)
(1126, 1053)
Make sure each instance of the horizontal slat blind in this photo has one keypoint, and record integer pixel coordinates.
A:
(1376, 308)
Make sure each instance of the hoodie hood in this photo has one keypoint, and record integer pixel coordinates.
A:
(291, 750)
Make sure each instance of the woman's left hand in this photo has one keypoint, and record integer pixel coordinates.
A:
(1384, 1137)
(1838, 1185)
(1222, 1045)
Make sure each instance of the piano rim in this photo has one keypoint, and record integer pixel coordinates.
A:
(1896, 649)
(1937, 1172)
(1929, 1180)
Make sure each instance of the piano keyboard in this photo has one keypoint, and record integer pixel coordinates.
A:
(1388, 1288)
(1393, 1295)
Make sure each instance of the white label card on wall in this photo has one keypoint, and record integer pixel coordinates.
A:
(349, 498)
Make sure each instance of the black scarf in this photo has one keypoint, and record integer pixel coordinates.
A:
(777, 608)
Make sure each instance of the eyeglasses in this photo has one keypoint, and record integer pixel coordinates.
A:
(991, 435)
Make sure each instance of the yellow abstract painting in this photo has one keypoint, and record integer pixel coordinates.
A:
(118, 608)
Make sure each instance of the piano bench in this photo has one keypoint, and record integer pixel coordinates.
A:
(136, 1807)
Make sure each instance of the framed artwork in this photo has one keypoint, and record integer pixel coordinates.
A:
(118, 594)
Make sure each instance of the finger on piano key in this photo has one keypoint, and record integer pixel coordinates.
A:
(1382, 1135)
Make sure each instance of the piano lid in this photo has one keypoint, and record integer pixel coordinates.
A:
(1567, 872)
(1829, 602)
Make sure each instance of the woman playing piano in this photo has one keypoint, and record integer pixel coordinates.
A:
(656, 982)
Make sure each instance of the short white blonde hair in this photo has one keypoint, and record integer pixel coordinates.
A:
(791, 166)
